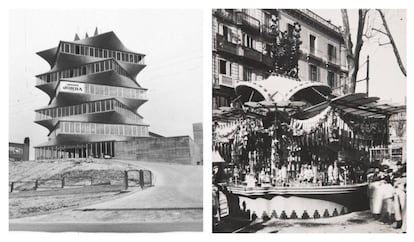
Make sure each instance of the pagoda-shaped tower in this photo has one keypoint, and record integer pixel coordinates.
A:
(94, 97)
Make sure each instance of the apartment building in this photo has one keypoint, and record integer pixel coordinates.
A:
(242, 40)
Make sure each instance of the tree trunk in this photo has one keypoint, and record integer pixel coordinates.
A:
(351, 55)
(394, 46)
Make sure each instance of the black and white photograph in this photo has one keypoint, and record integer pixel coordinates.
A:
(309, 120)
(105, 120)
(186, 120)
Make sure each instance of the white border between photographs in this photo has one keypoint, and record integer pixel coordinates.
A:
(206, 5)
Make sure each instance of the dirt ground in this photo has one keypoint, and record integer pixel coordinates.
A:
(32, 203)
(32, 170)
(25, 206)
(176, 197)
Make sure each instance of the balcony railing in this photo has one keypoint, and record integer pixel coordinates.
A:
(226, 46)
(267, 31)
(225, 81)
(246, 20)
(268, 61)
(321, 56)
(314, 54)
(319, 19)
(252, 54)
(333, 60)
(256, 56)
(228, 15)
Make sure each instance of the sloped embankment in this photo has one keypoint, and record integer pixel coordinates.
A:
(76, 172)
(48, 169)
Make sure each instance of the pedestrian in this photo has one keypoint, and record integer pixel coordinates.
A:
(314, 172)
(399, 201)
(335, 173)
(387, 200)
(284, 174)
(236, 175)
(375, 196)
(330, 174)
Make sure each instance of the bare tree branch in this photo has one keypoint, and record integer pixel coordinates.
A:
(353, 55)
(394, 46)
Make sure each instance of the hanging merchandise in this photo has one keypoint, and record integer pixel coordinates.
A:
(301, 127)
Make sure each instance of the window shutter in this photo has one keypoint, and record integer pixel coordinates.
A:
(336, 80)
(220, 29)
(318, 74)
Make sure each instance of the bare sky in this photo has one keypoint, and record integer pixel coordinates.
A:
(171, 39)
(386, 79)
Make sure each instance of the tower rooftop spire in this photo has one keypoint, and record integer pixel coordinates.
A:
(96, 31)
(76, 37)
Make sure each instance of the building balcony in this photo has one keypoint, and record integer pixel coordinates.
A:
(319, 19)
(226, 81)
(225, 46)
(267, 61)
(225, 15)
(240, 18)
(333, 62)
(315, 55)
(247, 22)
(252, 54)
(257, 57)
(267, 32)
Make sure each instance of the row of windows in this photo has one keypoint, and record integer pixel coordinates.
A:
(78, 49)
(243, 39)
(227, 68)
(91, 68)
(315, 75)
(249, 41)
(112, 91)
(66, 127)
(332, 52)
(85, 108)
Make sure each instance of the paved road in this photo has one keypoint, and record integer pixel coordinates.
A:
(176, 186)
(176, 199)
